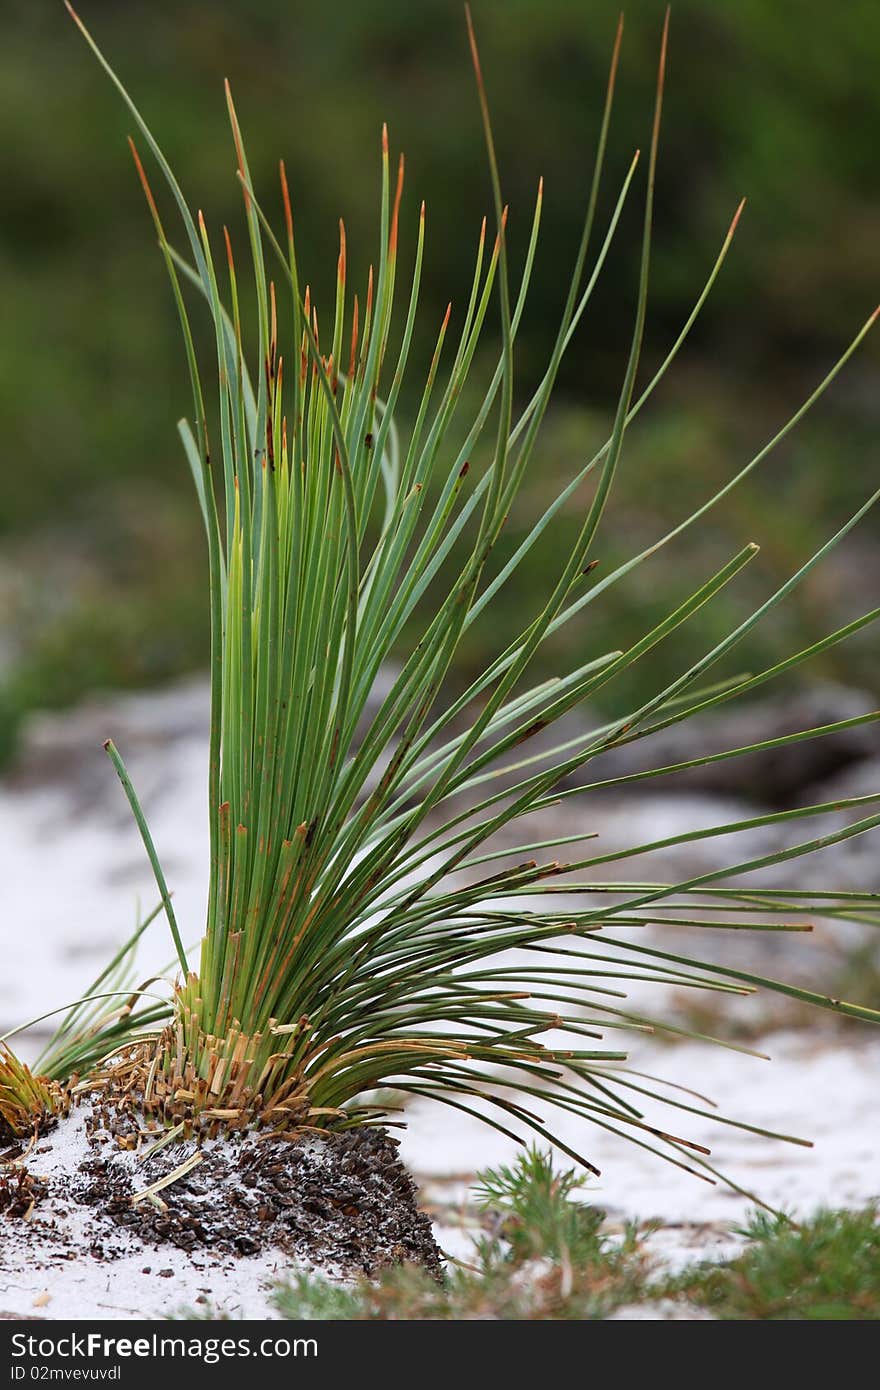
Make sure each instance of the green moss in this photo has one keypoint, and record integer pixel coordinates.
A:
(826, 1268)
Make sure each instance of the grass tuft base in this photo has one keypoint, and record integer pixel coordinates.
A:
(29, 1105)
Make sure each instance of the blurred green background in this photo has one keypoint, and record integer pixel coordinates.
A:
(102, 576)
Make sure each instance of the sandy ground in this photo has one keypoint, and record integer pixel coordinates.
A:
(211, 1228)
(74, 872)
(62, 1278)
(825, 1094)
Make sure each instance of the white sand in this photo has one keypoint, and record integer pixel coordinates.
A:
(827, 1094)
(48, 1270)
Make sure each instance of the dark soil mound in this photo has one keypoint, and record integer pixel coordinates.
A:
(345, 1201)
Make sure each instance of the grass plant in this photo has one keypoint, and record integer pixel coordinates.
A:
(368, 923)
(552, 1256)
(548, 1256)
(824, 1269)
(28, 1102)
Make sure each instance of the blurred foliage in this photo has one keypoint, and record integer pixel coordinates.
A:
(101, 568)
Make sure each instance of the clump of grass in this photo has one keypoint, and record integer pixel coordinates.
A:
(540, 1219)
(28, 1103)
(825, 1268)
(548, 1258)
(359, 928)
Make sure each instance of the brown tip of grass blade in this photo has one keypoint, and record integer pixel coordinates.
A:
(398, 192)
(384, 138)
(285, 197)
(145, 184)
(340, 268)
(501, 230)
(658, 103)
(236, 136)
(615, 54)
(736, 216)
(229, 256)
(475, 56)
